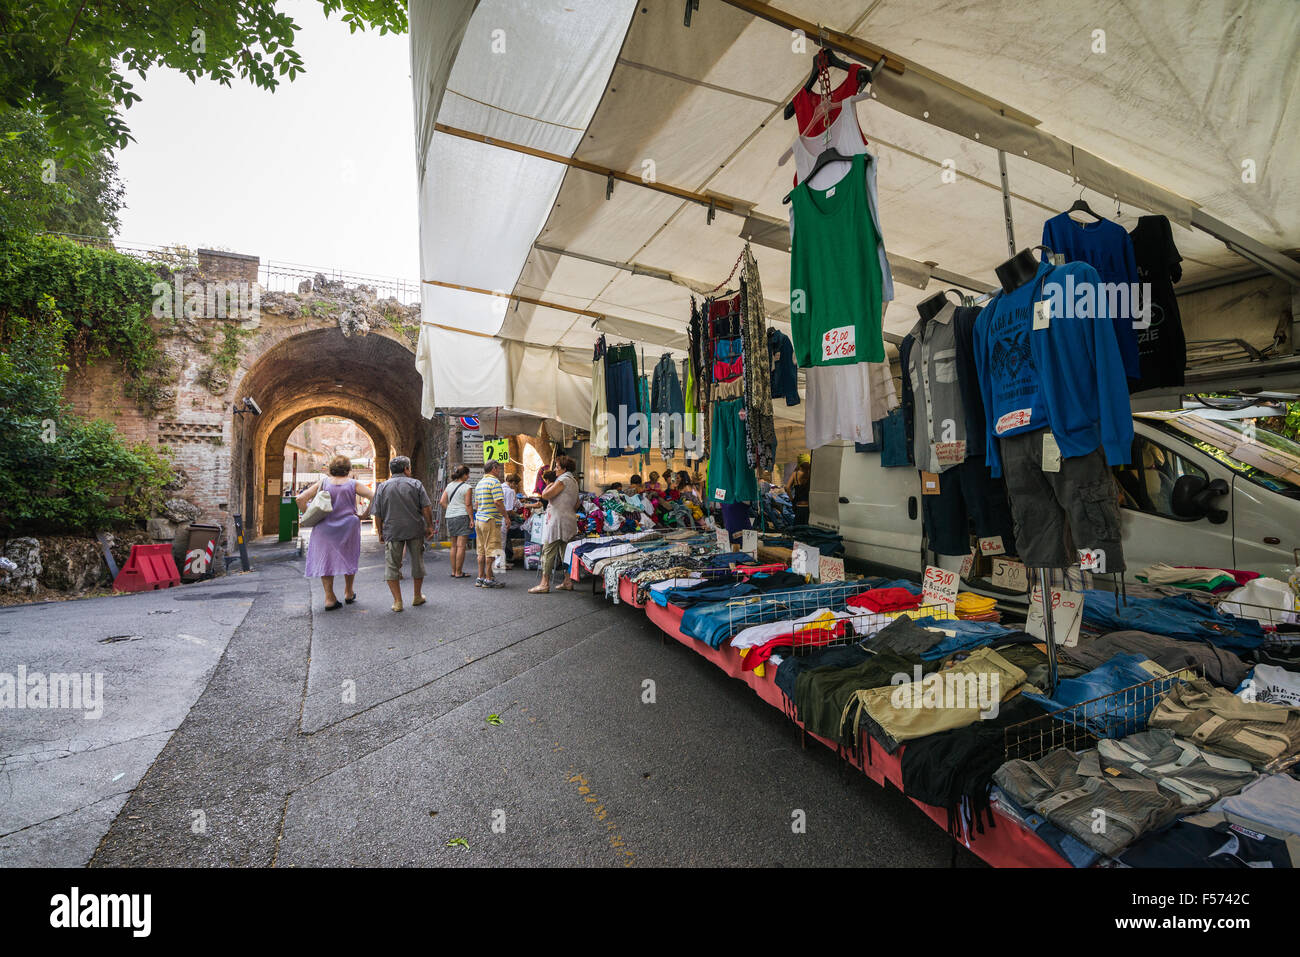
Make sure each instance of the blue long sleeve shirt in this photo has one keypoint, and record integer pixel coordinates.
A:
(1067, 375)
(1108, 248)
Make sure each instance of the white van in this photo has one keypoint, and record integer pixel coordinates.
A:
(1199, 492)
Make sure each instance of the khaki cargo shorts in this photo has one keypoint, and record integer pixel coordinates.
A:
(489, 537)
(393, 558)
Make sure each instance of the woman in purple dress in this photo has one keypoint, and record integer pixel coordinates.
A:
(335, 544)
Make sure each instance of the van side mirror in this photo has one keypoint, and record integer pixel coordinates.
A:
(1192, 498)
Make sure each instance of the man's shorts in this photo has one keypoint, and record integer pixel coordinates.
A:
(1081, 498)
(393, 558)
(489, 537)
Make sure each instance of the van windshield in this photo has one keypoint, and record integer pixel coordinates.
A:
(1264, 457)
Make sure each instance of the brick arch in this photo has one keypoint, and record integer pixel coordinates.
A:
(306, 371)
(271, 453)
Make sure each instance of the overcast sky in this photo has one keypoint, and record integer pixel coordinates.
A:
(321, 171)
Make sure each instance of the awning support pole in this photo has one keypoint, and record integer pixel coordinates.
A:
(1006, 203)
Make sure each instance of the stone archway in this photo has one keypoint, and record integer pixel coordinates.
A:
(369, 379)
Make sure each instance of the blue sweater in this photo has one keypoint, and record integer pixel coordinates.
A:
(1067, 376)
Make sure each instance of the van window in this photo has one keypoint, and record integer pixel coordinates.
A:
(1147, 483)
(1263, 457)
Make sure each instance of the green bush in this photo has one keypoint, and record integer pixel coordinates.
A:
(58, 472)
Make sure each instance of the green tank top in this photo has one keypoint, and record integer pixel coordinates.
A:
(835, 280)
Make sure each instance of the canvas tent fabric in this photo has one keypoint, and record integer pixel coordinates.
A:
(1165, 111)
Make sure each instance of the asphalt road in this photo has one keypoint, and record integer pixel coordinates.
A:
(297, 737)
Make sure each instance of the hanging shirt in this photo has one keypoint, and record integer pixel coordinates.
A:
(806, 103)
(1162, 347)
(1066, 375)
(845, 137)
(835, 275)
(785, 377)
(939, 436)
(1106, 247)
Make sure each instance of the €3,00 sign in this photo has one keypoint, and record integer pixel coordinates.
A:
(939, 587)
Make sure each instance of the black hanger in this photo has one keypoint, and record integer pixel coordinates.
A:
(832, 60)
(830, 155)
(1081, 206)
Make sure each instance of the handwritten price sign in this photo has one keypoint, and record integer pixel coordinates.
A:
(1067, 616)
(841, 343)
(992, 546)
(939, 587)
(830, 569)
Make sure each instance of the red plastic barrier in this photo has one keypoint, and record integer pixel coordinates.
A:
(147, 568)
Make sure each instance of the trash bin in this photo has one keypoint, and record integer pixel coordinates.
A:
(288, 519)
(199, 552)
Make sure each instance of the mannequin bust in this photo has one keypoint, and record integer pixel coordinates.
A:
(929, 308)
(1017, 270)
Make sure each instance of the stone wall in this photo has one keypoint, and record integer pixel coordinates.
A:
(327, 349)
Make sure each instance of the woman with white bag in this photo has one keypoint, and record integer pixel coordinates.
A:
(561, 522)
(335, 544)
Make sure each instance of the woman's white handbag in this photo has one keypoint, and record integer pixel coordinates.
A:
(319, 509)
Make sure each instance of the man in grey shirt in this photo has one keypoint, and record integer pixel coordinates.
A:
(403, 520)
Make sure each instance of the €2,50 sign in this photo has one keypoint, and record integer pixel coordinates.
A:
(496, 450)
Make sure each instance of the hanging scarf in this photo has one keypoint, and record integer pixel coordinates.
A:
(760, 428)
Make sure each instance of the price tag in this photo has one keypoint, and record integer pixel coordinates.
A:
(720, 494)
(1013, 420)
(724, 540)
(1042, 314)
(496, 450)
(967, 564)
(929, 483)
(1010, 575)
(992, 546)
(830, 569)
(841, 343)
(679, 548)
(939, 587)
(804, 559)
(1067, 616)
(1092, 560)
(749, 542)
(950, 453)
(1051, 453)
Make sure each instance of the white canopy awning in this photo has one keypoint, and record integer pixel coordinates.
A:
(1182, 109)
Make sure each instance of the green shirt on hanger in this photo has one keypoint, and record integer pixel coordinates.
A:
(835, 277)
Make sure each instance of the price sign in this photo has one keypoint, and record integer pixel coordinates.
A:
(724, 540)
(496, 450)
(830, 569)
(1092, 560)
(841, 343)
(939, 587)
(967, 564)
(749, 542)
(720, 494)
(1067, 616)
(1013, 420)
(804, 559)
(992, 546)
(1010, 575)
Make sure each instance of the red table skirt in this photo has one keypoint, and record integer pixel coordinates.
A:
(1009, 844)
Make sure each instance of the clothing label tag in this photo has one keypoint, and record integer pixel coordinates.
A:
(830, 192)
(939, 587)
(1013, 420)
(992, 546)
(1067, 616)
(949, 453)
(749, 542)
(720, 494)
(929, 483)
(724, 540)
(1058, 259)
(830, 569)
(967, 564)
(840, 343)
(1042, 314)
(1051, 453)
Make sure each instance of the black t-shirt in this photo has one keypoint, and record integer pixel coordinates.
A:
(1162, 347)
